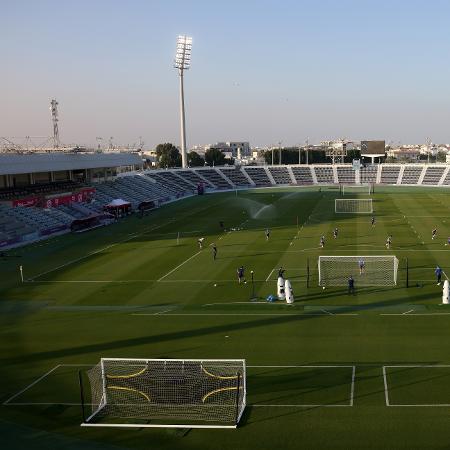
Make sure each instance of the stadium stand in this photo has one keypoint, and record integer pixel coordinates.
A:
(193, 177)
(433, 175)
(258, 175)
(324, 174)
(235, 176)
(368, 174)
(389, 174)
(214, 177)
(47, 188)
(22, 224)
(280, 175)
(411, 174)
(346, 175)
(302, 175)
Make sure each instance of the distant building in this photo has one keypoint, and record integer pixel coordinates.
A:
(237, 150)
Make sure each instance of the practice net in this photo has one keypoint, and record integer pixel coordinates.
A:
(365, 270)
(353, 205)
(349, 189)
(181, 393)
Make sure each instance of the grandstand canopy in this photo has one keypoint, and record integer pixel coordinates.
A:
(52, 162)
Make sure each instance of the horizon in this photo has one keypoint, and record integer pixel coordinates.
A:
(261, 72)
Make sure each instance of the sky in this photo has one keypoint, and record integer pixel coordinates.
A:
(262, 71)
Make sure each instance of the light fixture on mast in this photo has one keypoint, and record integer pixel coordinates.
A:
(182, 63)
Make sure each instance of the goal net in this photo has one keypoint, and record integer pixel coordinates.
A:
(365, 270)
(349, 189)
(353, 205)
(166, 393)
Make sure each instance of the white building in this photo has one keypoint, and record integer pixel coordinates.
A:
(236, 150)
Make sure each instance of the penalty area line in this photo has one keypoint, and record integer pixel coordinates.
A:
(31, 385)
(179, 265)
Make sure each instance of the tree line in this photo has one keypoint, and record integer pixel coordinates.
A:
(167, 156)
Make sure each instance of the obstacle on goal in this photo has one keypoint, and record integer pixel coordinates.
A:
(376, 270)
(350, 189)
(353, 205)
(171, 393)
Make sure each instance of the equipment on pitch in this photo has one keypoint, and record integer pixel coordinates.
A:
(288, 292)
(378, 270)
(349, 189)
(445, 293)
(353, 205)
(280, 288)
(167, 393)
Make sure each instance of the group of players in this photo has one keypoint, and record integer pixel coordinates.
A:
(373, 221)
(351, 281)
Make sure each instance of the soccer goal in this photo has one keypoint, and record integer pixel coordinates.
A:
(169, 393)
(365, 270)
(353, 205)
(349, 189)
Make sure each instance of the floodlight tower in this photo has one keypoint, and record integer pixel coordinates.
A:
(182, 63)
(54, 111)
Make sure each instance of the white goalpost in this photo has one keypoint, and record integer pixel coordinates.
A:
(365, 270)
(170, 393)
(353, 205)
(363, 188)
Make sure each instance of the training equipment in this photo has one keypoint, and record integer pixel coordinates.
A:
(280, 289)
(445, 293)
(353, 205)
(378, 271)
(288, 292)
(193, 393)
(349, 189)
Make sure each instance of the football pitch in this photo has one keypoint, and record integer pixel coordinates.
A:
(333, 370)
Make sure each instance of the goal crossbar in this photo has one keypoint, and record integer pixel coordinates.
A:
(171, 393)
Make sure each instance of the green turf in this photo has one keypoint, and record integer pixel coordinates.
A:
(130, 290)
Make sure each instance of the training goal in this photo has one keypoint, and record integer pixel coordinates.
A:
(172, 393)
(349, 189)
(353, 205)
(365, 270)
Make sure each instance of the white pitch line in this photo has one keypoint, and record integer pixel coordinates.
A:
(352, 388)
(31, 385)
(244, 314)
(73, 261)
(314, 405)
(305, 366)
(418, 366)
(386, 395)
(182, 264)
(270, 274)
(417, 314)
(407, 312)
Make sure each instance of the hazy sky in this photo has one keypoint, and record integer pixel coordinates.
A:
(262, 71)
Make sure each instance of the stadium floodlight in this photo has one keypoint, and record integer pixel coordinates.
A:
(377, 271)
(353, 205)
(182, 63)
(170, 393)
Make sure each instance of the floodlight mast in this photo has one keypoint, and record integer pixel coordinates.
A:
(182, 63)
(54, 111)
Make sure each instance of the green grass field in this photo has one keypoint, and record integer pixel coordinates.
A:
(332, 371)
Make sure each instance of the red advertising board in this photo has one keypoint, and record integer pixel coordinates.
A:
(77, 197)
(29, 201)
(82, 195)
